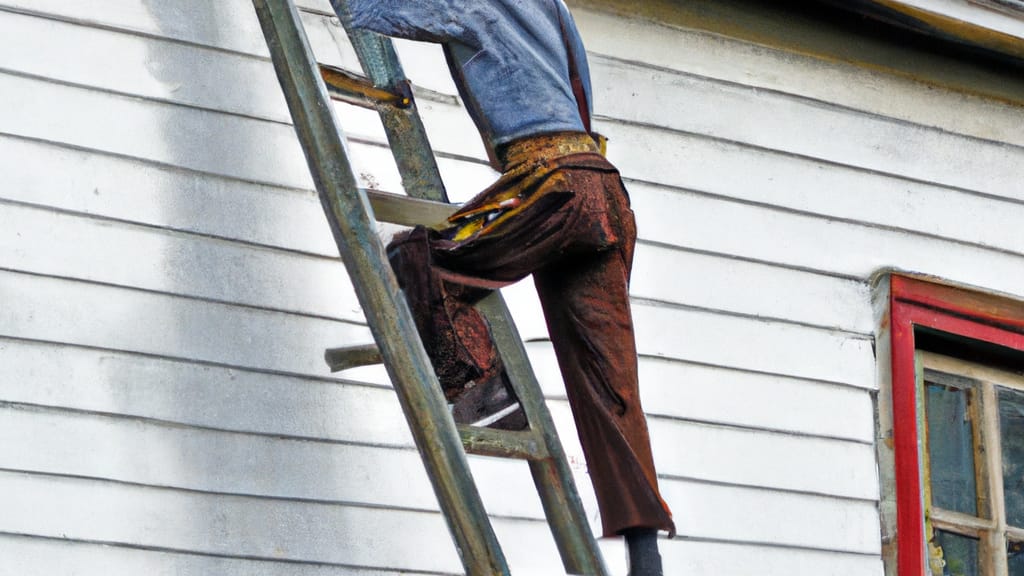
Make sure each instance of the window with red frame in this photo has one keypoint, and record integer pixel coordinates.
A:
(958, 430)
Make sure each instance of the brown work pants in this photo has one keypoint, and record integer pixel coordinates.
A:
(576, 235)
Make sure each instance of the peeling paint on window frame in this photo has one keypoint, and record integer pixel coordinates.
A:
(915, 302)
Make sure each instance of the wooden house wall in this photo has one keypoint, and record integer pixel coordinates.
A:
(168, 283)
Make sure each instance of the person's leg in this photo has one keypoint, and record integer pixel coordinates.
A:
(443, 279)
(455, 335)
(586, 303)
(587, 309)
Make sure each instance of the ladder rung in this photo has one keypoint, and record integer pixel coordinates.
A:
(408, 211)
(522, 444)
(352, 357)
(351, 88)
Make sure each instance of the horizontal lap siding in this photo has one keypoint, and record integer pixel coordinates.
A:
(168, 291)
(34, 556)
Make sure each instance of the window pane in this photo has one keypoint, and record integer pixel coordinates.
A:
(1011, 431)
(951, 449)
(1015, 554)
(959, 552)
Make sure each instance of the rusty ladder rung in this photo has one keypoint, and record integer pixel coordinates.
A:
(350, 88)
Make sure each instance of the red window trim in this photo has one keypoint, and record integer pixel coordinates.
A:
(973, 315)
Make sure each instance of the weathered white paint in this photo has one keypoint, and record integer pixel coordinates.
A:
(757, 516)
(155, 454)
(100, 316)
(770, 460)
(824, 80)
(702, 557)
(206, 396)
(125, 63)
(230, 25)
(765, 120)
(187, 74)
(173, 262)
(808, 241)
(728, 341)
(169, 285)
(357, 536)
(717, 395)
(177, 391)
(36, 557)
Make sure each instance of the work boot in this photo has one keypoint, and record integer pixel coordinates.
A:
(644, 559)
(490, 404)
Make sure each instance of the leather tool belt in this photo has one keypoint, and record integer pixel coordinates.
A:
(528, 163)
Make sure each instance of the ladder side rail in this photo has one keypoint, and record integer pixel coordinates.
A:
(403, 126)
(348, 213)
(552, 475)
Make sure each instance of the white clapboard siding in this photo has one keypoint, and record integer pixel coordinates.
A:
(732, 559)
(154, 454)
(723, 284)
(39, 557)
(471, 181)
(1005, 21)
(25, 556)
(867, 249)
(58, 442)
(122, 188)
(756, 516)
(179, 392)
(660, 330)
(166, 261)
(827, 81)
(202, 140)
(716, 395)
(768, 459)
(38, 308)
(197, 139)
(205, 396)
(811, 242)
(712, 511)
(230, 25)
(124, 62)
(731, 112)
(807, 185)
(240, 427)
(242, 7)
(806, 352)
(196, 75)
(44, 242)
(249, 527)
(121, 185)
(204, 461)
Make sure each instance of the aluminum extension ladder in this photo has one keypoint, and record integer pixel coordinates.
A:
(442, 444)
